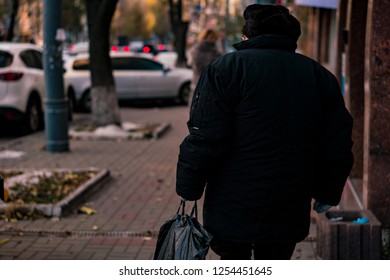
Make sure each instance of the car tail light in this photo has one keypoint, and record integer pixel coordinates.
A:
(9, 115)
(114, 48)
(126, 49)
(146, 49)
(11, 76)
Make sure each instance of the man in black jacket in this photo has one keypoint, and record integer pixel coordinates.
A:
(268, 132)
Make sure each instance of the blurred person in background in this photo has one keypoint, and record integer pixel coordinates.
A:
(203, 52)
(268, 132)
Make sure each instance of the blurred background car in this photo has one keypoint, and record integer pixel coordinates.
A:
(137, 77)
(136, 45)
(74, 49)
(167, 58)
(80, 47)
(149, 48)
(22, 86)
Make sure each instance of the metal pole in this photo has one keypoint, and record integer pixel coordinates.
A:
(227, 25)
(56, 110)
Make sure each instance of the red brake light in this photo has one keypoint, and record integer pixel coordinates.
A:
(146, 49)
(126, 49)
(11, 76)
(114, 48)
(9, 115)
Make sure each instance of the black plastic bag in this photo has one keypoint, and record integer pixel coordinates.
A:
(182, 237)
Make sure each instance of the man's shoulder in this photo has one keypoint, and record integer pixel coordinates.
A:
(304, 57)
(317, 66)
(226, 58)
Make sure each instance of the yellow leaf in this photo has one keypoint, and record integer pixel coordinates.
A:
(87, 210)
(3, 241)
(70, 176)
(5, 195)
(34, 191)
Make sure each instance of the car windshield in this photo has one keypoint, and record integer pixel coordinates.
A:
(135, 63)
(81, 64)
(5, 59)
(123, 63)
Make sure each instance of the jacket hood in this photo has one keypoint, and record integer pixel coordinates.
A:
(268, 42)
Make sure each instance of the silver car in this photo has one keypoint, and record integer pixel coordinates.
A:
(137, 77)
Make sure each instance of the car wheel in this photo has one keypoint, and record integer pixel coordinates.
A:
(184, 93)
(86, 102)
(34, 115)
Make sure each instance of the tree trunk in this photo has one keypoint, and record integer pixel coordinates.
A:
(179, 29)
(181, 42)
(14, 12)
(105, 108)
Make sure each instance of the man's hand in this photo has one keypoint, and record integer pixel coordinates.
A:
(320, 207)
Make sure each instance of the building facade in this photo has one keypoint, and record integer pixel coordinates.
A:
(352, 39)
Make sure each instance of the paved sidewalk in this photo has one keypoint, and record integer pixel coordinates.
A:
(131, 207)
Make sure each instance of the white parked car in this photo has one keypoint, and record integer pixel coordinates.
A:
(136, 77)
(22, 85)
(167, 58)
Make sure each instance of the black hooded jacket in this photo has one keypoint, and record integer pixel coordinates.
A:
(269, 131)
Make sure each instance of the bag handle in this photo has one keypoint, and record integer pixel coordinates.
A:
(181, 206)
(194, 211)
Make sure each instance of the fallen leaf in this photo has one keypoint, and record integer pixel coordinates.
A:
(5, 195)
(3, 241)
(87, 210)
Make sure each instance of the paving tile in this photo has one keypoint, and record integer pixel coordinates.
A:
(139, 197)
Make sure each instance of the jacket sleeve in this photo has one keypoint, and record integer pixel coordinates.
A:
(209, 133)
(337, 158)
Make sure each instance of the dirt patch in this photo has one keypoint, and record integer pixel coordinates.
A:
(45, 193)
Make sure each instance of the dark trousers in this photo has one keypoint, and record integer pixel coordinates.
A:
(261, 250)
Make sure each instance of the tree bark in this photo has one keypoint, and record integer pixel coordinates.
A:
(14, 12)
(105, 108)
(179, 29)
